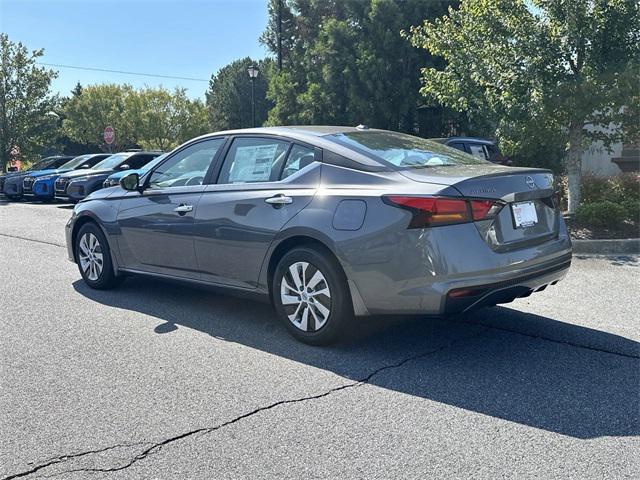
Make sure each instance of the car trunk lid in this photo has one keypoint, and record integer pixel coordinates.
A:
(529, 215)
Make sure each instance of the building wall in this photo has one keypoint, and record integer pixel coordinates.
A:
(597, 160)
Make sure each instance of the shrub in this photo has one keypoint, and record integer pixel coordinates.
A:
(601, 214)
(618, 188)
(632, 210)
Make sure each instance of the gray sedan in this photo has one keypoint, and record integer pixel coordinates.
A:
(328, 223)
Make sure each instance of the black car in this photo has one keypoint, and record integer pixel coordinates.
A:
(478, 147)
(76, 185)
(11, 183)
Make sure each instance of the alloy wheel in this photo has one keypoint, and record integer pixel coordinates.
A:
(306, 297)
(90, 256)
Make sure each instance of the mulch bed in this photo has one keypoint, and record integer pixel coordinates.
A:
(590, 232)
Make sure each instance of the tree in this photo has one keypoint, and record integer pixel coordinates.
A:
(345, 62)
(77, 90)
(162, 120)
(229, 95)
(25, 100)
(98, 106)
(556, 71)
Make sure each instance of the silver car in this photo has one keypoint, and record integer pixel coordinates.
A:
(329, 223)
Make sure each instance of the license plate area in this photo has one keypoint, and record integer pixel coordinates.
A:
(524, 214)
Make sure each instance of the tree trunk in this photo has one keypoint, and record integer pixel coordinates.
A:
(574, 165)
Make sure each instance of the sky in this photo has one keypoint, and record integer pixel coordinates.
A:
(183, 38)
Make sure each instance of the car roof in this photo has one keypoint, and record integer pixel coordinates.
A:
(464, 139)
(311, 134)
(302, 130)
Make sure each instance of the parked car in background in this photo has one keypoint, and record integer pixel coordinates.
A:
(76, 185)
(113, 180)
(12, 183)
(40, 184)
(328, 222)
(478, 147)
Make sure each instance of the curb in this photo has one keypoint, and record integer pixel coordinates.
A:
(630, 245)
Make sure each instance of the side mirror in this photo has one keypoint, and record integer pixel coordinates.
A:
(86, 165)
(130, 182)
(125, 167)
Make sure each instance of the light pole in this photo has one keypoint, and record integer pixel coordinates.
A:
(253, 74)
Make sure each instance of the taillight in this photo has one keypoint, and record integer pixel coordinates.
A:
(437, 211)
(481, 208)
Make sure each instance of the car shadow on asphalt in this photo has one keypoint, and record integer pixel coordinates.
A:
(501, 362)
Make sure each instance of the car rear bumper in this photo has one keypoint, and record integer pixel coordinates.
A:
(468, 298)
(448, 270)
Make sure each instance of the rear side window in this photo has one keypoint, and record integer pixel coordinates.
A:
(299, 157)
(251, 160)
(478, 151)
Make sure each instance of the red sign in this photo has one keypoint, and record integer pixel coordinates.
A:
(109, 135)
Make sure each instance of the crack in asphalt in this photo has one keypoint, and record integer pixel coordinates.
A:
(552, 340)
(63, 458)
(32, 240)
(156, 447)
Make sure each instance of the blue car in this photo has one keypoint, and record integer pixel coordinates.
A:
(40, 184)
(113, 180)
(12, 182)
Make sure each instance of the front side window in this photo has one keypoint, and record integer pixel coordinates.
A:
(253, 160)
(402, 150)
(188, 167)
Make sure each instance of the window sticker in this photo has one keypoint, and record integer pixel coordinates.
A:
(252, 163)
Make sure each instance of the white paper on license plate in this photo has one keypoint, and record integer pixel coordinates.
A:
(524, 214)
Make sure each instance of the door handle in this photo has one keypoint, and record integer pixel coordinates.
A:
(278, 200)
(183, 209)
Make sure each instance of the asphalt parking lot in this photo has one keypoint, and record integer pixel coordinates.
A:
(158, 380)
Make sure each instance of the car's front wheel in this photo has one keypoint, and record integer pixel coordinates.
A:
(311, 295)
(94, 259)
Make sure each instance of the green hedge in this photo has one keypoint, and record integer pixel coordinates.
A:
(601, 214)
(609, 201)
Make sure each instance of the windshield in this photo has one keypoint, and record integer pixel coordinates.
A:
(113, 161)
(39, 165)
(402, 150)
(56, 163)
(74, 162)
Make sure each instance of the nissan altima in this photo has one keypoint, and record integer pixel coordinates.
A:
(329, 223)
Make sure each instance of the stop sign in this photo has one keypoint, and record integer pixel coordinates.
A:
(109, 135)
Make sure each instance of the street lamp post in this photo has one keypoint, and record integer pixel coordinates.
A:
(253, 74)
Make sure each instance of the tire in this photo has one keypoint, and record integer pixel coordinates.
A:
(94, 258)
(321, 312)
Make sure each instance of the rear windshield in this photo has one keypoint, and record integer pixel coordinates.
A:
(112, 162)
(402, 150)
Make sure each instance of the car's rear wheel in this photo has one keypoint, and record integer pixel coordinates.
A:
(94, 258)
(311, 295)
